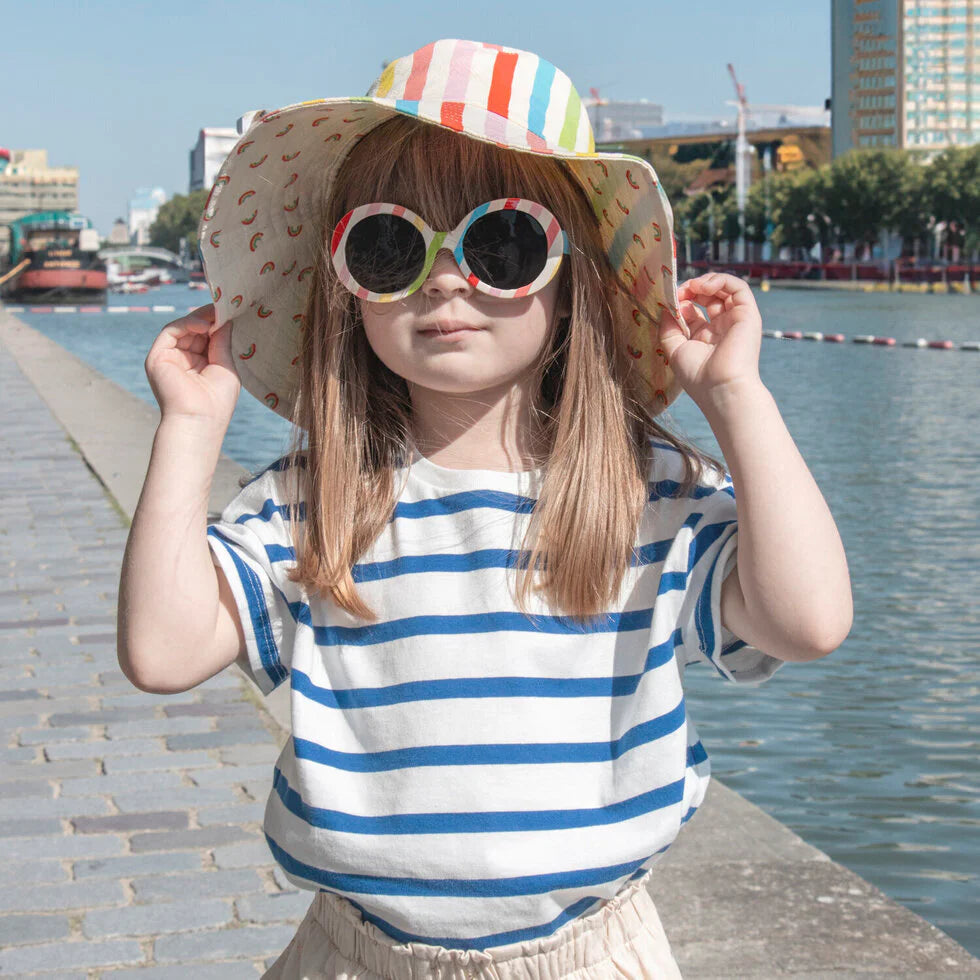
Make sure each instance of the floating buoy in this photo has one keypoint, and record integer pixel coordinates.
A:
(970, 345)
(923, 343)
(877, 341)
(792, 335)
(835, 338)
(813, 335)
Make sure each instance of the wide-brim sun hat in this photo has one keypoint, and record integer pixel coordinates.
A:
(259, 237)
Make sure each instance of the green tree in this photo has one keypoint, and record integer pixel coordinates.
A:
(799, 208)
(869, 191)
(177, 219)
(952, 189)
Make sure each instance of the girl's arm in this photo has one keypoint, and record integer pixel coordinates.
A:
(790, 593)
(178, 623)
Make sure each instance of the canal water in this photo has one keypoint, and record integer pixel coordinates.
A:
(872, 754)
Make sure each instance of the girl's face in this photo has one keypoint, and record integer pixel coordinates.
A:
(449, 337)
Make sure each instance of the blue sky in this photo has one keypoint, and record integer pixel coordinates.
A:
(121, 90)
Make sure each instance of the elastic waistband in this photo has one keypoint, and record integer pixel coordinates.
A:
(580, 945)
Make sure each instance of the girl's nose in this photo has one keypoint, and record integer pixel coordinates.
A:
(445, 277)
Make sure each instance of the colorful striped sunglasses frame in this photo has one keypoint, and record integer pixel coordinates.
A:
(435, 241)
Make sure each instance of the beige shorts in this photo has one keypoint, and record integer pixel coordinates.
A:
(621, 939)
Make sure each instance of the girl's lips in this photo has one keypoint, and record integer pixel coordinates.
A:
(450, 333)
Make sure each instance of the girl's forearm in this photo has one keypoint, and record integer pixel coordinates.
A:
(791, 563)
(168, 593)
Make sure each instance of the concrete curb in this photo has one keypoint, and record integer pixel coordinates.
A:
(739, 893)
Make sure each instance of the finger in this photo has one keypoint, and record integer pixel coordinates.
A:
(718, 286)
(673, 334)
(200, 320)
(219, 348)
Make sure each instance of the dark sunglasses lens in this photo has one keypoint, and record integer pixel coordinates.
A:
(385, 253)
(506, 249)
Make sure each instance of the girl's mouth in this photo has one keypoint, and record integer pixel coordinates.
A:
(449, 333)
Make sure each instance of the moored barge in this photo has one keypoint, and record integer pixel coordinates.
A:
(54, 257)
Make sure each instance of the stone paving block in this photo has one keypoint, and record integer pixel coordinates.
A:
(19, 873)
(52, 736)
(152, 920)
(25, 827)
(161, 760)
(77, 846)
(27, 754)
(222, 943)
(186, 796)
(18, 930)
(232, 775)
(18, 771)
(249, 755)
(53, 956)
(220, 739)
(130, 782)
(50, 898)
(84, 806)
(282, 907)
(122, 822)
(184, 840)
(209, 708)
(28, 788)
(138, 865)
(193, 887)
(249, 855)
(237, 722)
(101, 716)
(158, 726)
(141, 698)
(103, 749)
(240, 813)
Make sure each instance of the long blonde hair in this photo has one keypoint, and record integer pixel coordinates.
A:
(588, 410)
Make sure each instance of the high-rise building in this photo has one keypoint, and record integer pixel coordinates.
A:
(143, 209)
(906, 73)
(213, 145)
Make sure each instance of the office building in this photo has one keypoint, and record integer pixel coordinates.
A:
(906, 73)
(213, 145)
(143, 208)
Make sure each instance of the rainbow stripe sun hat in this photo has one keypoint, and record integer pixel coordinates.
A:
(258, 234)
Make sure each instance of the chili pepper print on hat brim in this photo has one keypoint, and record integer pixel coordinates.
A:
(258, 236)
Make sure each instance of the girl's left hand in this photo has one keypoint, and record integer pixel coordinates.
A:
(711, 356)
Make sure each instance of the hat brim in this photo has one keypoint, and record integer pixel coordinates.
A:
(259, 241)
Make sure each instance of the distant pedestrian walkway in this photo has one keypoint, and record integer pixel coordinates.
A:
(130, 824)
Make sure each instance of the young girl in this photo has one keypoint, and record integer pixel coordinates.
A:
(485, 565)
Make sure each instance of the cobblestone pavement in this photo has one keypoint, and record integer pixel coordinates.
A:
(130, 823)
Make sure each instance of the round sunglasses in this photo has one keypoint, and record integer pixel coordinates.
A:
(507, 248)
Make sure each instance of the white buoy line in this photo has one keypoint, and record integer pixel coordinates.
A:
(922, 343)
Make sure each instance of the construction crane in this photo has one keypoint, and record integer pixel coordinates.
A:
(743, 166)
(743, 151)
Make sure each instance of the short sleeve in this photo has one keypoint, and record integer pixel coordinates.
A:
(252, 545)
(711, 540)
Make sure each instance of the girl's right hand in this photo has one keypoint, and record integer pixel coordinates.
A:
(191, 369)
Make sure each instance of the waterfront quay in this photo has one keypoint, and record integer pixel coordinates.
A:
(131, 826)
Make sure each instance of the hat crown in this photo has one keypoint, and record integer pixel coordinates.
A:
(474, 86)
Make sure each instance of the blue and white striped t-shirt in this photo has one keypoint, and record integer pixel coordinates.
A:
(465, 775)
